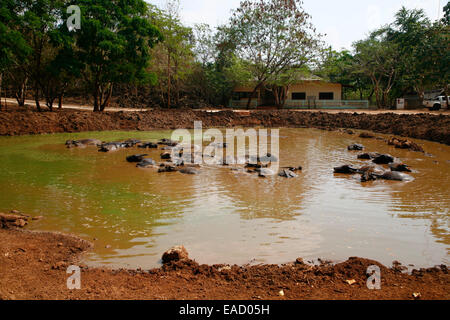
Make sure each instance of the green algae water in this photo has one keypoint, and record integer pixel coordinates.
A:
(133, 215)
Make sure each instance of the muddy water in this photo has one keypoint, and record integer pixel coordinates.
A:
(133, 215)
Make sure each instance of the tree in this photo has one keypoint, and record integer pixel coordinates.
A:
(410, 33)
(14, 49)
(280, 84)
(341, 67)
(273, 36)
(114, 45)
(40, 19)
(378, 60)
(446, 19)
(175, 55)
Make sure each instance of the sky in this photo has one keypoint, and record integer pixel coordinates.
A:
(342, 22)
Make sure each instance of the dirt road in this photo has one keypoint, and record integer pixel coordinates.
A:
(90, 108)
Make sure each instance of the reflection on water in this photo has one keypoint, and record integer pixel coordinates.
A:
(133, 215)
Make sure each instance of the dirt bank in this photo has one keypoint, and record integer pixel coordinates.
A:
(421, 126)
(33, 266)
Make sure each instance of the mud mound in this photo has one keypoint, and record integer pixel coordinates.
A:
(421, 126)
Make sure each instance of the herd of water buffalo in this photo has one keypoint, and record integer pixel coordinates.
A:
(183, 161)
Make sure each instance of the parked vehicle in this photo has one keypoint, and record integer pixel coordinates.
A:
(436, 104)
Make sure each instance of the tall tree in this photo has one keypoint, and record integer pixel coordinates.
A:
(14, 49)
(273, 35)
(378, 59)
(114, 45)
(175, 52)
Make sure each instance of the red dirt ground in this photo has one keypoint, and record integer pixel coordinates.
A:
(33, 266)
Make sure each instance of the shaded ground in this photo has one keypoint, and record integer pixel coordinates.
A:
(421, 126)
(33, 266)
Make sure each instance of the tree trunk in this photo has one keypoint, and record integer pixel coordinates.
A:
(96, 97)
(276, 94)
(36, 97)
(284, 91)
(20, 93)
(168, 81)
(96, 103)
(105, 102)
(60, 100)
(377, 92)
(1, 78)
(253, 93)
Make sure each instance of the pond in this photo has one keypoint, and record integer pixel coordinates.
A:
(133, 215)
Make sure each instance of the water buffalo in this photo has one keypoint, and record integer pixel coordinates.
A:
(286, 173)
(166, 167)
(368, 156)
(168, 142)
(166, 156)
(383, 159)
(145, 163)
(346, 169)
(130, 143)
(189, 170)
(136, 157)
(355, 147)
(400, 167)
(264, 172)
(148, 145)
(395, 176)
(293, 169)
(82, 143)
(111, 146)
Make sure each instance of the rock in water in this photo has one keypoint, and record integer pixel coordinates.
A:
(405, 144)
(10, 220)
(177, 253)
(366, 135)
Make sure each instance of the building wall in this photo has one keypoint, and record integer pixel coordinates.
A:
(313, 88)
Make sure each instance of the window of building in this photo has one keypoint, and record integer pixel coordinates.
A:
(298, 95)
(326, 96)
(243, 95)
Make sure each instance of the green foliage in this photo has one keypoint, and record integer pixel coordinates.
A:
(409, 55)
(273, 36)
(174, 55)
(114, 45)
(13, 47)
